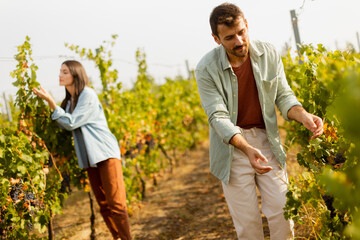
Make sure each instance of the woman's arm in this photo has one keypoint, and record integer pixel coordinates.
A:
(85, 107)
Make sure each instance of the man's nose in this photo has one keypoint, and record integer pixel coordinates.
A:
(239, 39)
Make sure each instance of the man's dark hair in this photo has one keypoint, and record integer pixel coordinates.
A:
(226, 13)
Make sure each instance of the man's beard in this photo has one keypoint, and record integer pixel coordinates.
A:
(242, 54)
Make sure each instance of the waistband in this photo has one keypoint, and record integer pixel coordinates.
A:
(254, 131)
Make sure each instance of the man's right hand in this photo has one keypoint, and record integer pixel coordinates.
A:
(255, 156)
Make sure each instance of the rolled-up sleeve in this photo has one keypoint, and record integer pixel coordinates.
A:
(285, 97)
(215, 107)
(78, 117)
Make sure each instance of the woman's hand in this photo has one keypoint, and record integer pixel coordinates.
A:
(42, 93)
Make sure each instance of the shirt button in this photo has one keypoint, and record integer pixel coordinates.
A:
(234, 95)
(234, 113)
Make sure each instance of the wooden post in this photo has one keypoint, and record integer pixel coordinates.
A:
(188, 69)
(51, 228)
(358, 40)
(92, 217)
(8, 111)
(294, 21)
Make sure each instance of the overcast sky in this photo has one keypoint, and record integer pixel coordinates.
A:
(170, 32)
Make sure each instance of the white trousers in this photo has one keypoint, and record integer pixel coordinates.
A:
(241, 196)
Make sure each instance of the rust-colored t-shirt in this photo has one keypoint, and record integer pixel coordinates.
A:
(249, 110)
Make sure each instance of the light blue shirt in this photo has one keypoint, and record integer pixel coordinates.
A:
(218, 89)
(92, 137)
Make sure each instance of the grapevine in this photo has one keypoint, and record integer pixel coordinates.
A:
(318, 83)
(150, 121)
(38, 167)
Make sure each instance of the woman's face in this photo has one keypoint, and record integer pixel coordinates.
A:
(65, 77)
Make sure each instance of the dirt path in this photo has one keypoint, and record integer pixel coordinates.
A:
(187, 204)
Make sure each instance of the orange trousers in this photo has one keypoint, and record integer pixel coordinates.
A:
(107, 183)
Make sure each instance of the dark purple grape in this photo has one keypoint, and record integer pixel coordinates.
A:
(65, 183)
(340, 158)
(15, 192)
(29, 196)
(29, 225)
(329, 204)
(50, 161)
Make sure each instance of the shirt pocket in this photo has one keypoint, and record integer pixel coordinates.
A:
(270, 88)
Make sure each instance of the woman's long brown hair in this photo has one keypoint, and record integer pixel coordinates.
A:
(80, 78)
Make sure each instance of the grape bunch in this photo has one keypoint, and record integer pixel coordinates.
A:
(339, 160)
(50, 161)
(22, 197)
(329, 200)
(29, 225)
(329, 204)
(16, 192)
(23, 201)
(65, 183)
(150, 142)
(3, 212)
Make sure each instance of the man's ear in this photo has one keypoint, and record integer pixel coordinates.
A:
(216, 39)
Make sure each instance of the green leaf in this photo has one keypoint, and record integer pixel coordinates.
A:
(27, 158)
(5, 181)
(22, 169)
(2, 138)
(319, 153)
(40, 227)
(15, 219)
(33, 75)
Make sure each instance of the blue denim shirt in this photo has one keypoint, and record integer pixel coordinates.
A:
(92, 137)
(218, 89)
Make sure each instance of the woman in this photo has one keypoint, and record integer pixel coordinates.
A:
(96, 147)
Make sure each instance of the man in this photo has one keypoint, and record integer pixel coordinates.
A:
(239, 83)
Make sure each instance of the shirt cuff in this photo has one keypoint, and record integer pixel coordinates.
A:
(58, 112)
(227, 138)
(287, 108)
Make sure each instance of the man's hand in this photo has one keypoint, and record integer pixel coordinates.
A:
(253, 154)
(310, 121)
(314, 124)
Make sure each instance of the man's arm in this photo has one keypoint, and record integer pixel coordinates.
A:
(219, 119)
(253, 154)
(215, 107)
(291, 108)
(310, 121)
